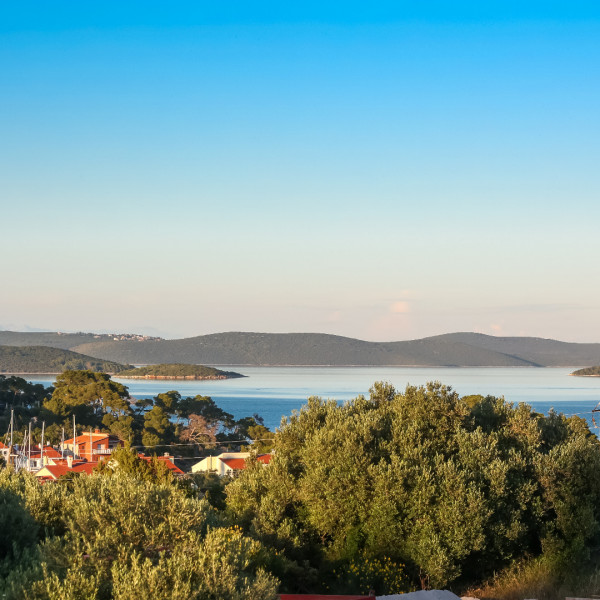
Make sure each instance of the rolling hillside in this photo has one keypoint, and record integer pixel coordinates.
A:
(244, 348)
(321, 349)
(42, 359)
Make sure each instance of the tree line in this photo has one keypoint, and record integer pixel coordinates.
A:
(98, 402)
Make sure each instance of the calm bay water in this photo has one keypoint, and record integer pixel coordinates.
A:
(274, 392)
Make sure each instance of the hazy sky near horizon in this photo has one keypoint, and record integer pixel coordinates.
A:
(384, 171)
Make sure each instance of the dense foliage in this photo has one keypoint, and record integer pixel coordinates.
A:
(179, 371)
(121, 537)
(394, 492)
(42, 359)
(453, 488)
(96, 401)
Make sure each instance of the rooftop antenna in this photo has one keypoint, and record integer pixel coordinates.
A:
(62, 443)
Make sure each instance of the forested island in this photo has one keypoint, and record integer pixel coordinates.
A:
(587, 372)
(47, 360)
(178, 371)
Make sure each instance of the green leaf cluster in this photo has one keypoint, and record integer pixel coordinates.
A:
(455, 489)
(123, 538)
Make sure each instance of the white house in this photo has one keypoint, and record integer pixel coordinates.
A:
(227, 463)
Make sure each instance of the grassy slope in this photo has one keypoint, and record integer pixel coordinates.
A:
(42, 359)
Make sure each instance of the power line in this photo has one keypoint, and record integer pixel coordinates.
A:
(215, 443)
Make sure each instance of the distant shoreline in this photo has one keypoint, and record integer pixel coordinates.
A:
(578, 375)
(272, 366)
(180, 377)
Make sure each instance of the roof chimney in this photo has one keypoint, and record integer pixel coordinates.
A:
(69, 461)
(96, 430)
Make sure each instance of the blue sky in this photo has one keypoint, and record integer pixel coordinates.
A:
(387, 171)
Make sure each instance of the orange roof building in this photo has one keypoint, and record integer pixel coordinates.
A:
(53, 472)
(90, 446)
(167, 460)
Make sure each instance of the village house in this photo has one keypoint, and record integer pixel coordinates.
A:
(227, 463)
(51, 472)
(38, 458)
(90, 446)
(167, 460)
(56, 467)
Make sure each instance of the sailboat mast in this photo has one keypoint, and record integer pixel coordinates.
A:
(29, 449)
(42, 445)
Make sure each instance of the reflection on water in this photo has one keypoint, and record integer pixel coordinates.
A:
(273, 392)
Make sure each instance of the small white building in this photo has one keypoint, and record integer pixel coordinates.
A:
(227, 463)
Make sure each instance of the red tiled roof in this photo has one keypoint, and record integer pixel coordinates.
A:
(57, 471)
(164, 459)
(238, 464)
(85, 438)
(49, 451)
(52, 452)
(87, 467)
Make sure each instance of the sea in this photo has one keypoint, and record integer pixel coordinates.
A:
(275, 392)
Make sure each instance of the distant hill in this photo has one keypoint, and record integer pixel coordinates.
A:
(244, 348)
(66, 341)
(298, 349)
(587, 372)
(42, 359)
(178, 371)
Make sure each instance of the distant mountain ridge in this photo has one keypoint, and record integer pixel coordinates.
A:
(319, 349)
